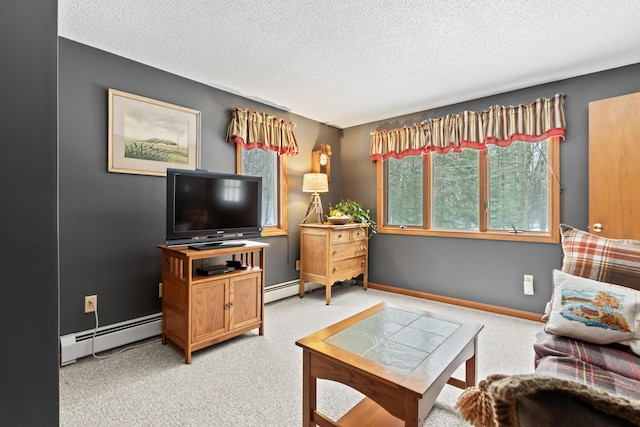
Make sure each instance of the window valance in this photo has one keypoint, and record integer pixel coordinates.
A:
(261, 130)
(498, 125)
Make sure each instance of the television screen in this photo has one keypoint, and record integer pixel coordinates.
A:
(207, 207)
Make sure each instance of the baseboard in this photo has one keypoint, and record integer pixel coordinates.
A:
(77, 345)
(461, 302)
(287, 289)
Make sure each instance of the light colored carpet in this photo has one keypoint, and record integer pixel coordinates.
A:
(257, 381)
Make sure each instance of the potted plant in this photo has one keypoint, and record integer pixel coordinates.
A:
(355, 211)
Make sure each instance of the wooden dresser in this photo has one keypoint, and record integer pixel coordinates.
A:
(331, 253)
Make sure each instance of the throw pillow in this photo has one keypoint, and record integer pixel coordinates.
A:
(592, 311)
(599, 258)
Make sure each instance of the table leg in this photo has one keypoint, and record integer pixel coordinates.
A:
(411, 411)
(308, 391)
(471, 366)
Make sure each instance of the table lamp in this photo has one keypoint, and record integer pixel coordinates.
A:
(315, 183)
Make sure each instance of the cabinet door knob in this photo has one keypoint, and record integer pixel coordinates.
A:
(597, 227)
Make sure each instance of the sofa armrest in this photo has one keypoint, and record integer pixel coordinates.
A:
(551, 408)
(539, 400)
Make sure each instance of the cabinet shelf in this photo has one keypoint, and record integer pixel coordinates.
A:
(197, 278)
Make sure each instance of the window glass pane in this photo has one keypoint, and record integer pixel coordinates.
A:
(404, 191)
(518, 187)
(455, 190)
(263, 163)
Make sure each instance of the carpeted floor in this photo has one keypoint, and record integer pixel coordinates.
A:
(257, 381)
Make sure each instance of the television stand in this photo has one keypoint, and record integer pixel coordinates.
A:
(215, 245)
(199, 311)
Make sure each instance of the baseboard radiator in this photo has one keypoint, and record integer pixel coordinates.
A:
(77, 345)
(287, 289)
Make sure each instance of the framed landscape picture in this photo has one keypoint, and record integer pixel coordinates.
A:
(147, 136)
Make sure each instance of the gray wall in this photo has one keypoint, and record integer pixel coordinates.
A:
(482, 270)
(29, 255)
(111, 223)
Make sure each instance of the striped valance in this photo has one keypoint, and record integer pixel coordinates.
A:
(260, 130)
(498, 125)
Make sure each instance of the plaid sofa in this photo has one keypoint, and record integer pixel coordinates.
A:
(576, 381)
(612, 368)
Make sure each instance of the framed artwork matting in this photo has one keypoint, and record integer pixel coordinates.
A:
(147, 136)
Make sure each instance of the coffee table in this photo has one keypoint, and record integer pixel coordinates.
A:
(399, 358)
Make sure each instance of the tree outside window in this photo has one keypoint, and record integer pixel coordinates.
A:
(508, 193)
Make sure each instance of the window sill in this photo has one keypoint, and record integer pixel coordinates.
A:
(522, 236)
(269, 232)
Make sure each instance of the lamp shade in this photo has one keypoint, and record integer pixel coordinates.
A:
(315, 183)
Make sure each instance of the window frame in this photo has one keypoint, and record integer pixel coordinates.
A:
(282, 228)
(553, 194)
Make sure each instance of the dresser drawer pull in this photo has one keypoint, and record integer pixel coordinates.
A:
(363, 247)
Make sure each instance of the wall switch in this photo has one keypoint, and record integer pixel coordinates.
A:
(528, 284)
(298, 265)
(90, 303)
(160, 290)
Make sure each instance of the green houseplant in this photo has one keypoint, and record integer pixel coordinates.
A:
(357, 213)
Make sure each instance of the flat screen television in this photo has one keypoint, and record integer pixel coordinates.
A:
(207, 208)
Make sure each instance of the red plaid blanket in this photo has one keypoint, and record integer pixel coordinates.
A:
(611, 368)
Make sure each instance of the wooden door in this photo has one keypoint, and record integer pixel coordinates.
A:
(614, 167)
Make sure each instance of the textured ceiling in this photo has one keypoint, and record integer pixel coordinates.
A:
(347, 62)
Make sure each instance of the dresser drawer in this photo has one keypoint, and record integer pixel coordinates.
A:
(359, 233)
(348, 250)
(348, 268)
(340, 236)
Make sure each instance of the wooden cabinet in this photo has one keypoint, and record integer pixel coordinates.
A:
(331, 253)
(199, 311)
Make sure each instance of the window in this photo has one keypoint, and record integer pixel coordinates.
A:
(506, 193)
(272, 168)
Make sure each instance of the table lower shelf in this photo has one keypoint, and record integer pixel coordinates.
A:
(369, 413)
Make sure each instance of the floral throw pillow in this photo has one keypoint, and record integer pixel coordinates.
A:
(592, 311)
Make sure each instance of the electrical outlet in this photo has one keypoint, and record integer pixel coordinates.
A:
(88, 306)
(160, 290)
(528, 284)
(298, 265)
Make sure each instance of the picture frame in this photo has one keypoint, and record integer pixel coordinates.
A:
(147, 136)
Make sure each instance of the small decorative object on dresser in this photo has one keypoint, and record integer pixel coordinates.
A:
(315, 183)
(355, 211)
